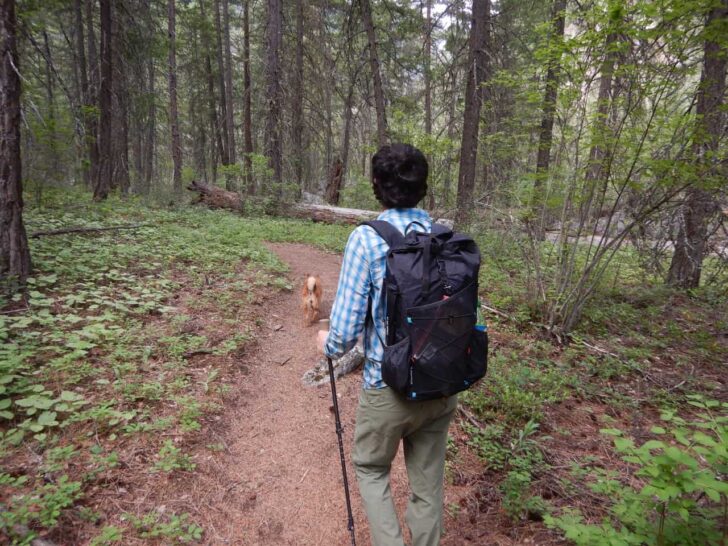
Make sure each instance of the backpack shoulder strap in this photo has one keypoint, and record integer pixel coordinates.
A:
(386, 231)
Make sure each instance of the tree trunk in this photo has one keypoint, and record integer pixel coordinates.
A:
(173, 121)
(247, 95)
(273, 76)
(382, 129)
(92, 134)
(81, 62)
(228, 85)
(54, 170)
(120, 95)
(151, 129)
(333, 187)
(473, 98)
(548, 111)
(216, 131)
(428, 71)
(102, 183)
(14, 252)
(297, 124)
(225, 151)
(598, 154)
(700, 205)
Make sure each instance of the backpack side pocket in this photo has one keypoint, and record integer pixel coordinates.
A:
(396, 365)
(477, 356)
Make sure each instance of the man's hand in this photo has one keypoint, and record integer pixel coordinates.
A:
(322, 335)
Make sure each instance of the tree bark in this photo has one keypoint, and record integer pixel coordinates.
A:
(333, 187)
(700, 204)
(473, 99)
(151, 128)
(14, 252)
(225, 151)
(297, 124)
(92, 135)
(216, 129)
(83, 75)
(216, 198)
(273, 76)
(228, 84)
(548, 111)
(173, 117)
(382, 129)
(102, 183)
(428, 71)
(598, 154)
(54, 170)
(247, 95)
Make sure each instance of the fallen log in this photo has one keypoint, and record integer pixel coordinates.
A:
(328, 214)
(217, 198)
(63, 231)
(214, 197)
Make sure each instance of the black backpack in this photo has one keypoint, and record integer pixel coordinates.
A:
(433, 346)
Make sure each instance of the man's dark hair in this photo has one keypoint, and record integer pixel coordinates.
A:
(399, 176)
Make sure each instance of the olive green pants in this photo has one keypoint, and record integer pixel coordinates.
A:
(383, 419)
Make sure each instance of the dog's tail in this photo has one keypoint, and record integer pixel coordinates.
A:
(311, 284)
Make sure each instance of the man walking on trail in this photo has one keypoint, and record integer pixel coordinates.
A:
(399, 180)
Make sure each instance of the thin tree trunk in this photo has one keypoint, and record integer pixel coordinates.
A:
(297, 124)
(216, 140)
(428, 71)
(273, 76)
(382, 129)
(92, 133)
(598, 157)
(247, 94)
(14, 252)
(473, 99)
(103, 179)
(225, 151)
(173, 121)
(548, 110)
(700, 205)
(54, 170)
(83, 75)
(228, 85)
(151, 128)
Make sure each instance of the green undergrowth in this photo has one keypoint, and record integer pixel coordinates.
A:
(103, 351)
(642, 353)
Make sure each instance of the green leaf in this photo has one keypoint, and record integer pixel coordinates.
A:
(5, 403)
(35, 401)
(657, 430)
(48, 419)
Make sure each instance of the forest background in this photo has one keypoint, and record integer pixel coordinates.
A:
(582, 143)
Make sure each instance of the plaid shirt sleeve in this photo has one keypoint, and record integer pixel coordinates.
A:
(348, 313)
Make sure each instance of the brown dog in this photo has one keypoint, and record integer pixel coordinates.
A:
(311, 293)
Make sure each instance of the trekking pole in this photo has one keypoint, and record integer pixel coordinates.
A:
(339, 431)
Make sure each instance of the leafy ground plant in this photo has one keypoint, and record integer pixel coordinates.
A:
(679, 493)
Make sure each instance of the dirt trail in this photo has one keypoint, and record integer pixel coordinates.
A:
(279, 479)
(281, 465)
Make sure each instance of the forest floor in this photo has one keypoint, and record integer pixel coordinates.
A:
(151, 393)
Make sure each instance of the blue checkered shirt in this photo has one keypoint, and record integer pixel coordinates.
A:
(360, 280)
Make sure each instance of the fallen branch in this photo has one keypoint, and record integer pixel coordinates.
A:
(63, 231)
(470, 417)
(498, 313)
